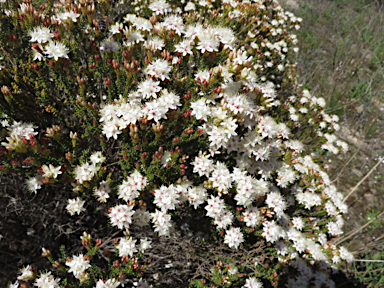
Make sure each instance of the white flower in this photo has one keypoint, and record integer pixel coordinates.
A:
(75, 206)
(126, 247)
(19, 130)
(166, 198)
(308, 199)
(221, 178)
(67, 17)
(174, 22)
(154, 44)
(46, 280)
(334, 228)
(197, 195)
(276, 201)
(281, 248)
(208, 42)
(37, 55)
(14, 285)
(184, 47)
(144, 245)
(159, 69)
(149, 88)
(97, 157)
(77, 265)
(121, 216)
(34, 183)
(215, 207)
(141, 284)
(252, 282)
(200, 109)
(141, 217)
(233, 237)
(141, 23)
(102, 193)
(159, 7)
(190, 6)
(252, 217)
(110, 129)
(51, 171)
(85, 172)
(202, 75)
(298, 223)
(162, 222)
(110, 283)
(26, 274)
(133, 38)
(56, 50)
(109, 46)
(271, 231)
(116, 28)
(41, 35)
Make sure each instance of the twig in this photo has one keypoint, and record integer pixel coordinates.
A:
(363, 260)
(369, 244)
(362, 180)
(110, 238)
(346, 164)
(358, 230)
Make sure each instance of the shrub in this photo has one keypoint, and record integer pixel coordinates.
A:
(182, 118)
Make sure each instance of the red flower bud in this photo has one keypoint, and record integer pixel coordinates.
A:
(56, 35)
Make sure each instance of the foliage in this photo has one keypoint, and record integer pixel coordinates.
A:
(183, 115)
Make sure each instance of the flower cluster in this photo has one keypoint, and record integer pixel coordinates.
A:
(194, 120)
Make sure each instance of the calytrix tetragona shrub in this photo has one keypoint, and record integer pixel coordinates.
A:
(180, 116)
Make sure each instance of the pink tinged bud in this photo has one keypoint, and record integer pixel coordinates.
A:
(51, 63)
(92, 66)
(56, 35)
(34, 66)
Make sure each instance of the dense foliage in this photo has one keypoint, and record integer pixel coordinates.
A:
(180, 123)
